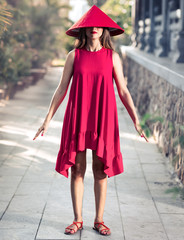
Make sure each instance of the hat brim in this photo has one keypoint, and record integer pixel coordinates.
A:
(75, 31)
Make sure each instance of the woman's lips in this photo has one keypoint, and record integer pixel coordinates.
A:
(93, 32)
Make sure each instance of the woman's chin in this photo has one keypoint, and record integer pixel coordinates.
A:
(94, 37)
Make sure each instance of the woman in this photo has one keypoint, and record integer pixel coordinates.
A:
(90, 119)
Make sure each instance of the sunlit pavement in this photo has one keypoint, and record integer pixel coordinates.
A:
(35, 200)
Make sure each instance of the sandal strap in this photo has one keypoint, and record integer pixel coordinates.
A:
(69, 227)
(77, 225)
(101, 223)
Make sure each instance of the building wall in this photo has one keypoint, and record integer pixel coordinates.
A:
(158, 28)
(155, 95)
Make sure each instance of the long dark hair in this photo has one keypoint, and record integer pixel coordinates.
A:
(105, 39)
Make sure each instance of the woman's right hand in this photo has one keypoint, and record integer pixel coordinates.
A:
(42, 129)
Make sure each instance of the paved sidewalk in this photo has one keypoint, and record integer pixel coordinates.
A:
(35, 200)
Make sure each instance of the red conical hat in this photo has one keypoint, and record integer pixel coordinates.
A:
(95, 17)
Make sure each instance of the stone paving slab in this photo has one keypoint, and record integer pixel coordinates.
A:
(35, 200)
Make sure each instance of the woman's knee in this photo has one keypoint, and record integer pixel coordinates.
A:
(78, 170)
(98, 168)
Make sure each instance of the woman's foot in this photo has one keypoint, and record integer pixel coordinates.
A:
(74, 227)
(101, 228)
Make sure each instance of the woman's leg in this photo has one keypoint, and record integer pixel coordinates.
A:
(77, 187)
(100, 188)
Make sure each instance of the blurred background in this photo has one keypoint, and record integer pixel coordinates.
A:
(33, 32)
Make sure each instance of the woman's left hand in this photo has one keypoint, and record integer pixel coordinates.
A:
(140, 131)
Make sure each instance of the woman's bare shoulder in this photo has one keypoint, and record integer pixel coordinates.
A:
(115, 54)
(70, 56)
(116, 57)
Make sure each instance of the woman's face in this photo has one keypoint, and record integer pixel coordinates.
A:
(94, 32)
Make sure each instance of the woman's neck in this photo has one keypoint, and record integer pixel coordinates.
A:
(93, 45)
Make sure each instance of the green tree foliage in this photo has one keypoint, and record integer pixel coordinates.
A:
(98, 3)
(15, 54)
(120, 12)
(5, 17)
(34, 37)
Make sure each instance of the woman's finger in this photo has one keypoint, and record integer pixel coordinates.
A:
(144, 136)
(43, 132)
(38, 133)
(141, 133)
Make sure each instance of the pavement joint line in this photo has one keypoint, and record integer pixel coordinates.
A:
(177, 214)
(10, 153)
(17, 187)
(5, 160)
(40, 222)
(151, 194)
(10, 200)
(13, 194)
(44, 209)
(123, 230)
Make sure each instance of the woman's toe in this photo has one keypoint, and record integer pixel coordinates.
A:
(106, 232)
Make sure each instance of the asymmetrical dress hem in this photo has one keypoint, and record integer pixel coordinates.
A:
(92, 141)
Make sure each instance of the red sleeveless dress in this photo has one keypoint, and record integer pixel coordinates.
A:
(91, 119)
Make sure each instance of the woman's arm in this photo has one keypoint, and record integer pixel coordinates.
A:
(124, 93)
(62, 88)
(59, 93)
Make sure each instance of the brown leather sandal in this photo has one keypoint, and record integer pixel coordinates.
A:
(101, 231)
(74, 231)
